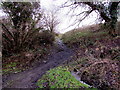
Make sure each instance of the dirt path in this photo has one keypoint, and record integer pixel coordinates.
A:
(28, 79)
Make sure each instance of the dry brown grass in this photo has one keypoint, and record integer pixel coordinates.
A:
(103, 74)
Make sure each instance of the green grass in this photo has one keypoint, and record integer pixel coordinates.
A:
(10, 68)
(59, 77)
(77, 36)
(83, 38)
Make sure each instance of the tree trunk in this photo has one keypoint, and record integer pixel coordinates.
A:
(113, 15)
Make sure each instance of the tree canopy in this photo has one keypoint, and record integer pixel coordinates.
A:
(21, 13)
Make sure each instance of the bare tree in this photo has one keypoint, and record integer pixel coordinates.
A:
(50, 20)
(106, 10)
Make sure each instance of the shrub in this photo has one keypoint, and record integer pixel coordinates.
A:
(14, 41)
(45, 37)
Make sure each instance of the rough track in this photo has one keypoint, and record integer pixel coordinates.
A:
(28, 79)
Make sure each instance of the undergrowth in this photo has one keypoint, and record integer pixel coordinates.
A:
(96, 57)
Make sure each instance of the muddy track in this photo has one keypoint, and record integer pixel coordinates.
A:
(28, 79)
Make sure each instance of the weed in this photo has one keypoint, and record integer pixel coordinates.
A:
(10, 68)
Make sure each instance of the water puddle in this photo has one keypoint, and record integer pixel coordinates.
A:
(60, 44)
(78, 78)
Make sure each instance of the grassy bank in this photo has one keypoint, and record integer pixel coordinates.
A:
(60, 77)
(97, 56)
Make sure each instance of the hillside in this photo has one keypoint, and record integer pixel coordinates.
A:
(97, 56)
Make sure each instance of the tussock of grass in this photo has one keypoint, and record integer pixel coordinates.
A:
(59, 78)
